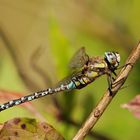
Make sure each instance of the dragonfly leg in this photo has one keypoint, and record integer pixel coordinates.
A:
(115, 84)
(118, 81)
(122, 78)
(125, 66)
(110, 80)
(114, 74)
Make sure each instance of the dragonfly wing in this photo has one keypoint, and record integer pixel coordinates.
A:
(67, 79)
(79, 59)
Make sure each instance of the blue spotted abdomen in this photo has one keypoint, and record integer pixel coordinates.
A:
(78, 82)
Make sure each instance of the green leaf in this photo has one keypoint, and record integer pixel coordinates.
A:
(28, 129)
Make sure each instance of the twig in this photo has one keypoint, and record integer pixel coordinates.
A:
(107, 97)
(93, 135)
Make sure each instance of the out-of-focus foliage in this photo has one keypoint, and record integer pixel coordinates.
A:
(37, 40)
(24, 128)
(133, 106)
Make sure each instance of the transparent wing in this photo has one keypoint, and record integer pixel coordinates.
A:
(67, 79)
(79, 59)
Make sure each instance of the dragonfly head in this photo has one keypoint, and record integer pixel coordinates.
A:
(112, 59)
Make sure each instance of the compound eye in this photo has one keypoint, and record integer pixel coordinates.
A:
(111, 59)
(118, 58)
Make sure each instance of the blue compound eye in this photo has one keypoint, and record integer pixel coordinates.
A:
(118, 57)
(113, 58)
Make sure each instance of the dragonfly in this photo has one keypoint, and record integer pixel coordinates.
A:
(86, 70)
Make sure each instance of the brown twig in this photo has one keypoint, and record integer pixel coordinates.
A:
(107, 97)
(94, 135)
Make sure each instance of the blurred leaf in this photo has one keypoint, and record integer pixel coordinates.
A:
(25, 128)
(133, 106)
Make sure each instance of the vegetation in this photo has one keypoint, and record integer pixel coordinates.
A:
(37, 41)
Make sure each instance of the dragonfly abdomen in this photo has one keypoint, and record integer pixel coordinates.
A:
(31, 97)
(80, 82)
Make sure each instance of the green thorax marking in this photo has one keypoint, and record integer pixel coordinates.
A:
(96, 67)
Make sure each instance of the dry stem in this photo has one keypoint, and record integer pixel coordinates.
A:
(107, 98)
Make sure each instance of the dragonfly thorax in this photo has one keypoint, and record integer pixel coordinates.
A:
(112, 59)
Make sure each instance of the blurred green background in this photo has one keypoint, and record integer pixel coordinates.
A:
(37, 40)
